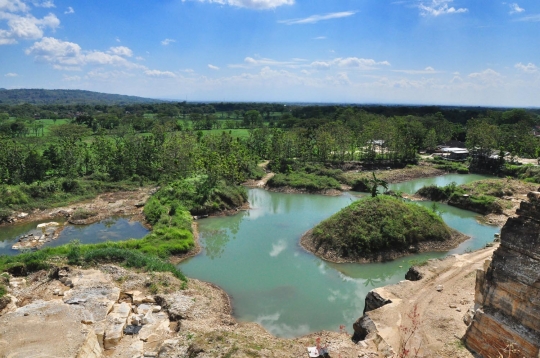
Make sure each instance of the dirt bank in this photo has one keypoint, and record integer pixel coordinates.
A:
(120, 203)
(442, 299)
(306, 242)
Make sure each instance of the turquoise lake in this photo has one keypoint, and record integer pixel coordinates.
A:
(255, 257)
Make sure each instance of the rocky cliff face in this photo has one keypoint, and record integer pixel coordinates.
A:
(507, 299)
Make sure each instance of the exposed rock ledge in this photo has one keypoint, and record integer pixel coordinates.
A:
(443, 298)
(507, 301)
(110, 312)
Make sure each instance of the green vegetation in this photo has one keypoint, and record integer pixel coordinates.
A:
(309, 182)
(382, 223)
(482, 196)
(529, 173)
(76, 254)
(452, 167)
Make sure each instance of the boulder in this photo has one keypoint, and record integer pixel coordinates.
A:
(116, 322)
(374, 300)
(414, 274)
(177, 305)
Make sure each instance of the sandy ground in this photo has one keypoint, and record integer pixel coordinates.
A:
(441, 324)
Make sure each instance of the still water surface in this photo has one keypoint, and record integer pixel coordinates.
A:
(111, 229)
(255, 257)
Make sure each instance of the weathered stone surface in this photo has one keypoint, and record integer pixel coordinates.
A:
(116, 322)
(35, 330)
(177, 305)
(414, 274)
(508, 289)
(374, 300)
(363, 327)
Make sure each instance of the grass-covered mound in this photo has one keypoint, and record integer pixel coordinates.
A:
(370, 228)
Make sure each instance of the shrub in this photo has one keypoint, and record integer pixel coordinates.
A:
(309, 182)
(70, 185)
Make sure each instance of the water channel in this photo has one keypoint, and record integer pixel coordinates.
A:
(255, 257)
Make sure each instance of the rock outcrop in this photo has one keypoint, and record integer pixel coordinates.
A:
(507, 298)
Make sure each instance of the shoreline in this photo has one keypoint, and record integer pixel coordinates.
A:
(383, 256)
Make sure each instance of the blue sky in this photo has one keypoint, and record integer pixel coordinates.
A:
(465, 52)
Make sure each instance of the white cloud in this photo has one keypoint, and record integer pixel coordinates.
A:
(488, 77)
(25, 27)
(515, 9)
(212, 67)
(439, 7)
(13, 6)
(121, 51)
(252, 4)
(45, 4)
(69, 11)
(69, 55)
(313, 19)
(320, 38)
(531, 18)
(529, 68)
(71, 78)
(361, 63)
(426, 71)
(166, 42)
(157, 73)
(11, 74)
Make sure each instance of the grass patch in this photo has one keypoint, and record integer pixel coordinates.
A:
(87, 255)
(378, 224)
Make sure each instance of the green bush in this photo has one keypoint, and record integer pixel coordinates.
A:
(70, 185)
(12, 196)
(3, 291)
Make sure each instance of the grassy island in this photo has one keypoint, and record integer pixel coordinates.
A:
(378, 229)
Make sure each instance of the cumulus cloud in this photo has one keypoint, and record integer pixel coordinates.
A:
(439, 7)
(212, 67)
(252, 4)
(25, 27)
(166, 42)
(121, 51)
(69, 55)
(313, 19)
(157, 73)
(69, 11)
(11, 74)
(529, 68)
(13, 6)
(488, 77)
(515, 9)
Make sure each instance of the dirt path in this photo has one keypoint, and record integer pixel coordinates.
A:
(440, 313)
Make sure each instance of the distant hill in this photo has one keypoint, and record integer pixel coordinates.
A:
(43, 96)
